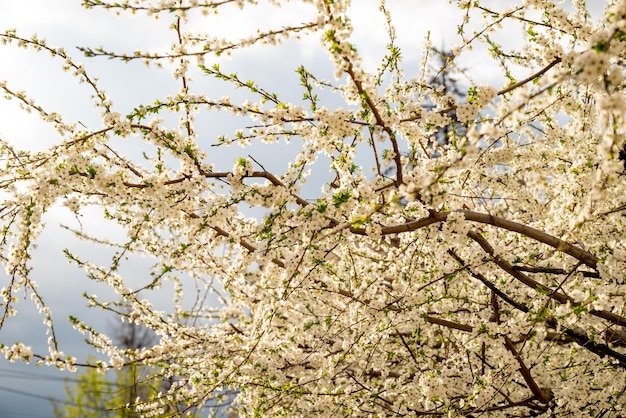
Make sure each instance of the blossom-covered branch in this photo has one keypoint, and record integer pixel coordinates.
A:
(382, 245)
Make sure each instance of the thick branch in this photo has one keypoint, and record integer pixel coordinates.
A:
(556, 243)
(506, 266)
(379, 120)
(559, 297)
(435, 217)
(571, 335)
(544, 396)
(448, 324)
(530, 77)
(489, 285)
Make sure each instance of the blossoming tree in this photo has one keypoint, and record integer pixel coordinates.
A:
(478, 276)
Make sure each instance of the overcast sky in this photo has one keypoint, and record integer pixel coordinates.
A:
(65, 23)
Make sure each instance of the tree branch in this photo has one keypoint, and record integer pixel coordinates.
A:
(543, 395)
(530, 232)
(552, 294)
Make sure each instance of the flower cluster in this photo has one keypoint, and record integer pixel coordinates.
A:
(463, 254)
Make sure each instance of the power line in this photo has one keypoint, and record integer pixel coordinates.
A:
(50, 399)
(20, 414)
(14, 374)
(24, 393)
